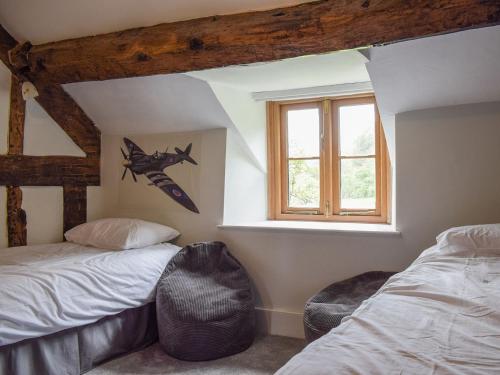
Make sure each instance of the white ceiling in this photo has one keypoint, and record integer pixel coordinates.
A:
(444, 70)
(50, 20)
(146, 105)
(307, 71)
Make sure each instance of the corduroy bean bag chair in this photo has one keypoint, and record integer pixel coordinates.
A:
(205, 305)
(326, 309)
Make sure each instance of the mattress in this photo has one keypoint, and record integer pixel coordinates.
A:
(49, 288)
(439, 316)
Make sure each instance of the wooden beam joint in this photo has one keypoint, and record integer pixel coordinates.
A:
(18, 56)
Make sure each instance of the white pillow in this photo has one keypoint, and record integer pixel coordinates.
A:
(484, 237)
(120, 234)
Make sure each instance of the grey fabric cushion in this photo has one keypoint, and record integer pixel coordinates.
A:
(326, 309)
(205, 304)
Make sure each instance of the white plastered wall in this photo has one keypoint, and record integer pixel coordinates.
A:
(447, 175)
(204, 183)
(245, 198)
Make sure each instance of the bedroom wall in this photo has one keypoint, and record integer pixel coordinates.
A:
(43, 205)
(447, 175)
(204, 183)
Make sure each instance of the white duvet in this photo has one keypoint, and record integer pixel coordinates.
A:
(440, 316)
(48, 288)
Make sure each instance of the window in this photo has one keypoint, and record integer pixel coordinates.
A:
(327, 160)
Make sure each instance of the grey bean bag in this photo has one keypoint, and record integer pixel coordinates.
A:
(326, 309)
(205, 305)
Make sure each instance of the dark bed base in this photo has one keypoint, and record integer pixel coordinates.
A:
(77, 350)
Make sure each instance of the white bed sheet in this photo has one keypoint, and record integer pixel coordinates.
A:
(49, 288)
(439, 316)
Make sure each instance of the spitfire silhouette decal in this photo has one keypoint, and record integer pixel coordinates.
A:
(152, 166)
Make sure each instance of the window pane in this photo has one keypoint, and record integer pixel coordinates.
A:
(303, 183)
(357, 184)
(303, 133)
(357, 130)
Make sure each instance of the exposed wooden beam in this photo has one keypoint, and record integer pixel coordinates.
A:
(211, 42)
(75, 206)
(24, 170)
(70, 117)
(57, 103)
(16, 117)
(16, 217)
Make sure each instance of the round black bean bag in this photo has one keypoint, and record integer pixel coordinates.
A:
(205, 305)
(326, 309)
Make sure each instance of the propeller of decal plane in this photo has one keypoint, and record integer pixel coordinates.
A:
(126, 165)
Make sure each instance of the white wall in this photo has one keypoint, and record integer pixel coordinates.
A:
(447, 174)
(245, 184)
(245, 188)
(448, 169)
(248, 117)
(204, 183)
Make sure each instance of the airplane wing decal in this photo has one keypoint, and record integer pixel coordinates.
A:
(133, 149)
(169, 187)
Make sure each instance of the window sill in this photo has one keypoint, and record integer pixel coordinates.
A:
(314, 226)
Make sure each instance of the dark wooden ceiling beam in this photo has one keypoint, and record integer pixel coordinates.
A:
(218, 41)
(55, 101)
(24, 170)
(69, 116)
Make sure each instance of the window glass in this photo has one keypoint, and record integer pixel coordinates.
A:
(358, 184)
(303, 132)
(303, 183)
(357, 130)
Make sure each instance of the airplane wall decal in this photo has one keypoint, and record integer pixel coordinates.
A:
(152, 166)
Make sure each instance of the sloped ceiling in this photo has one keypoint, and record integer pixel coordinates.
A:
(440, 71)
(146, 105)
(444, 70)
(307, 71)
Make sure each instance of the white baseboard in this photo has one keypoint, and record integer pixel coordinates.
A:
(280, 323)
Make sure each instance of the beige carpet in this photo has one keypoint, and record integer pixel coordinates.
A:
(265, 356)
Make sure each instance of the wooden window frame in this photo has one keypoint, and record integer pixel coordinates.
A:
(329, 209)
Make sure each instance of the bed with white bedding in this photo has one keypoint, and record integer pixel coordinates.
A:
(439, 316)
(48, 289)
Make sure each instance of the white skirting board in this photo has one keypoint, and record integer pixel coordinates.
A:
(280, 323)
